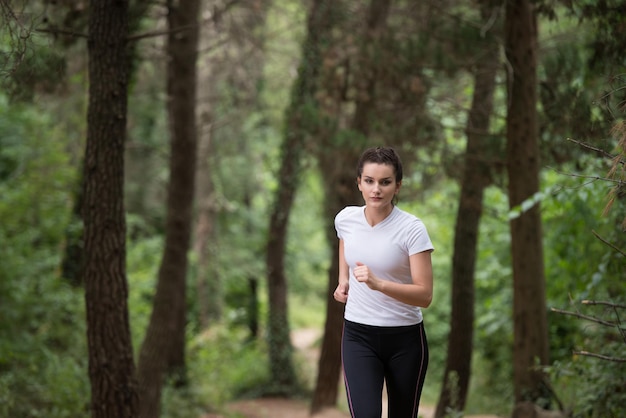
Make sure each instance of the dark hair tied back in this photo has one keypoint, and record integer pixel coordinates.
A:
(381, 155)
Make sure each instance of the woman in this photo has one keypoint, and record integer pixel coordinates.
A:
(385, 277)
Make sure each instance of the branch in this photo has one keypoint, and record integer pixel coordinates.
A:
(599, 302)
(600, 356)
(150, 34)
(156, 33)
(588, 318)
(214, 18)
(592, 178)
(598, 150)
(59, 31)
(610, 245)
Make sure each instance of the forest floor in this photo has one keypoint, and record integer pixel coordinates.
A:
(304, 341)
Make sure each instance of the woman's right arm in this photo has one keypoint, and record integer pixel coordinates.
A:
(341, 293)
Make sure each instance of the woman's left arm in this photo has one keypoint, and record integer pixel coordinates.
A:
(419, 293)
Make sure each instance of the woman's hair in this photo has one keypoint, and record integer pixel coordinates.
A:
(381, 155)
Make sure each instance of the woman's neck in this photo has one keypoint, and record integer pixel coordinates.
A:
(376, 216)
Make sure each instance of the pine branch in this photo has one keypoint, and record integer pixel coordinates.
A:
(586, 317)
(601, 356)
(608, 243)
(604, 303)
(598, 150)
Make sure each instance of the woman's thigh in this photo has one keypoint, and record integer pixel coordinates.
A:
(405, 370)
(363, 372)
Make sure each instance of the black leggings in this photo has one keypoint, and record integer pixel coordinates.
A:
(396, 355)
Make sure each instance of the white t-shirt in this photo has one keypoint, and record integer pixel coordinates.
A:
(385, 248)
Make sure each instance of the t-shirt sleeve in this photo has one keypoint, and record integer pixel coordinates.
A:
(417, 238)
(339, 223)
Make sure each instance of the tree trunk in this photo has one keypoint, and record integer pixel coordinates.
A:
(164, 346)
(74, 245)
(346, 193)
(529, 310)
(252, 314)
(111, 367)
(207, 285)
(72, 260)
(476, 178)
(344, 176)
(301, 122)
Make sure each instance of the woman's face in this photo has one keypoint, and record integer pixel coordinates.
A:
(378, 185)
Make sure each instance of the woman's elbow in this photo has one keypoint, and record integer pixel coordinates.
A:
(428, 299)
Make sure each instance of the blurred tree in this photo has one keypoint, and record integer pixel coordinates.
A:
(476, 177)
(300, 123)
(111, 367)
(163, 349)
(530, 348)
(233, 79)
(333, 161)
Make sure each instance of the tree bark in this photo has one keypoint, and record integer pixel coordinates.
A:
(529, 311)
(111, 366)
(163, 349)
(476, 177)
(72, 260)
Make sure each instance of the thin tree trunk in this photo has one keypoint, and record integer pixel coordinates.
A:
(73, 253)
(164, 346)
(346, 193)
(207, 285)
(253, 282)
(529, 300)
(301, 122)
(475, 179)
(334, 164)
(111, 366)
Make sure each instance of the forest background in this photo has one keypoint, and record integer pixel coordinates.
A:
(237, 145)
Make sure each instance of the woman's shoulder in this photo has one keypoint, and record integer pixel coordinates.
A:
(348, 212)
(407, 218)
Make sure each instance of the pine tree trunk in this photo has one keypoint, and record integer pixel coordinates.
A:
(111, 367)
(529, 300)
(164, 346)
(475, 179)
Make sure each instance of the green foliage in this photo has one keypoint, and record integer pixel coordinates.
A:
(143, 259)
(591, 386)
(29, 62)
(607, 40)
(42, 333)
(224, 365)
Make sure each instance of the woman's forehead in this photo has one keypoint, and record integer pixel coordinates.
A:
(377, 170)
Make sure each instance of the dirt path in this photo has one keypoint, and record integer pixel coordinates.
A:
(287, 408)
(304, 341)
